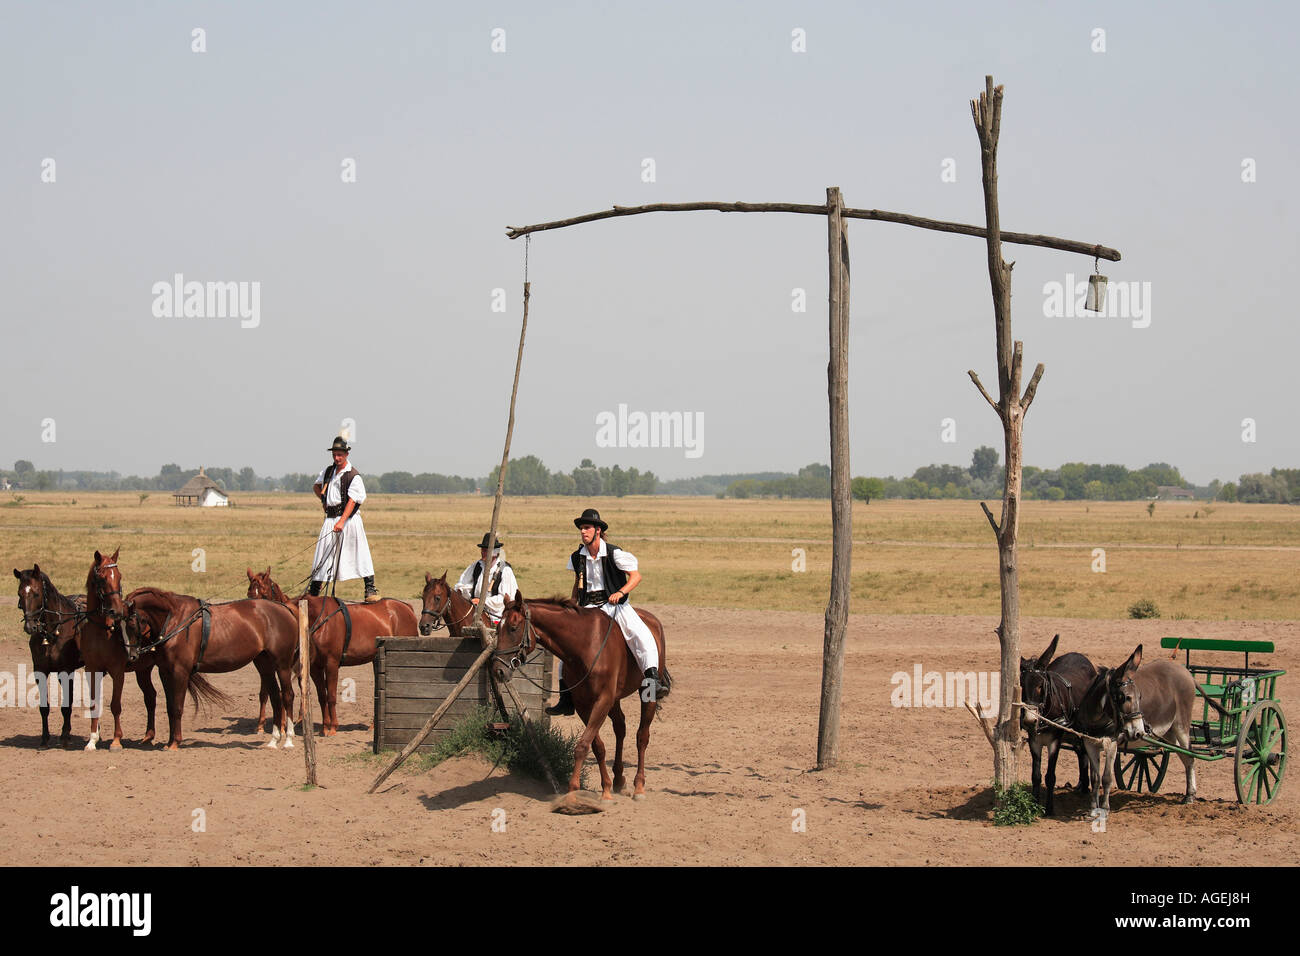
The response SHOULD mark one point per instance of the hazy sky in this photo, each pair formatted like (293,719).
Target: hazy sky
(376,296)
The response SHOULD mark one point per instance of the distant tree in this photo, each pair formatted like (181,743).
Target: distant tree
(44,481)
(247,480)
(984,463)
(586,480)
(1228,492)
(23,467)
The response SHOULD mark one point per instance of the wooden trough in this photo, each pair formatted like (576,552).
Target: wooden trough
(414,675)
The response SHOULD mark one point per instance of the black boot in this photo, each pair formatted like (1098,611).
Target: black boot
(564,706)
(372,593)
(314,590)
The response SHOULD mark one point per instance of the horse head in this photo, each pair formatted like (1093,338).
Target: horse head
(260,585)
(104,589)
(437,599)
(515,638)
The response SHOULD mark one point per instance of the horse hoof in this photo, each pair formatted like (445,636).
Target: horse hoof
(638,797)
(90,745)
(575,804)
(288,743)
(116,744)
(272,745)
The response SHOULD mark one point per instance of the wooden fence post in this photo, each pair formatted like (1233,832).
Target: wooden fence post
(304,658)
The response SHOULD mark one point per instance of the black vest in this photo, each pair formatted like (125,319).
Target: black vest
(344,483)
(615,577)
(496,578)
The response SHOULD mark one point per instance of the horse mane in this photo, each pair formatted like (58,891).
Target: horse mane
(558,602)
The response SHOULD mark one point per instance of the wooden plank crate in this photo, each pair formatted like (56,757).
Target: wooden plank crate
(414,675)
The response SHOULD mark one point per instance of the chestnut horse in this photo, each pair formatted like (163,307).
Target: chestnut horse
(51,621)
(443,604)
(100,641)
(599,670)
(186,635)
(342,635)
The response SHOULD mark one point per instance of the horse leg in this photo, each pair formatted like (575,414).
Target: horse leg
(322,689)
(180,681)
(583,745)
(329,707)
(97,693)
(262,696)
(173,708)
(648,709)
(285,715)
(598,748)
(43,705)
(144,678)
(619,723)
(65,734)
(119,680)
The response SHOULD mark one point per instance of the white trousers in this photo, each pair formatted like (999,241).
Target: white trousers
(635,632)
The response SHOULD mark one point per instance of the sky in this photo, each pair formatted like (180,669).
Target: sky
(352,168)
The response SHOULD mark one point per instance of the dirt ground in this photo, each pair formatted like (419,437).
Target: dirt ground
(729,772)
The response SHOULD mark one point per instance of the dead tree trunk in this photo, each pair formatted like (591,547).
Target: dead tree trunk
(1011,407)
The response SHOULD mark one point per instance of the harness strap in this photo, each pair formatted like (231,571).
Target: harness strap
(205,610)
(347,631)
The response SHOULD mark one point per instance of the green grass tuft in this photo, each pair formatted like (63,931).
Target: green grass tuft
(1015,806)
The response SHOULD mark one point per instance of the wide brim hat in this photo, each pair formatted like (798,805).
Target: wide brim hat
(484,542)
(340,444)
(590,516)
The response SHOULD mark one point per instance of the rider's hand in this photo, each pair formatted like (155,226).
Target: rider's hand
(621,597)
(474,602)
(338,525)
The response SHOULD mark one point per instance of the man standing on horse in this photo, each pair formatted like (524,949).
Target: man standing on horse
(604,576)
(342,551)
(501,588)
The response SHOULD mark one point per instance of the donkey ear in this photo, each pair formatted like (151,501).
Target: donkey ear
(1045,658)
(1134,661)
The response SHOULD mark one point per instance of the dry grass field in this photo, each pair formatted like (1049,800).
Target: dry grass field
(1239,562)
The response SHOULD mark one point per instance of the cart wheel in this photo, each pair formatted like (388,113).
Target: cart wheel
(1261,754)
(1139,770)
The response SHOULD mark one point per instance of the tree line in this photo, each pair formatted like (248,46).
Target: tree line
(1073,481)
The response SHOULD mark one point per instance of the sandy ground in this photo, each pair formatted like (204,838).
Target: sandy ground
(729,772)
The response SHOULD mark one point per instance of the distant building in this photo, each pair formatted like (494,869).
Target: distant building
(1171,493)
(202,491)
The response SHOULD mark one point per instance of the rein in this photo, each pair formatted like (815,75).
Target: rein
(440,616)
(204,610)
(529,643)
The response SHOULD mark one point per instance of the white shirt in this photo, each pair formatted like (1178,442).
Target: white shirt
(333,496)
(495,605)
(623,560)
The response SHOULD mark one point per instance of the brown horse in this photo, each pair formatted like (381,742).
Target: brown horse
(51,622)
(599,669)
(443,604)
(100,641)
(342,635)
(186,635)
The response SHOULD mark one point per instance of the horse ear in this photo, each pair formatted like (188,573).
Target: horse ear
(268,570)
(115,553)
(99,558)
(18,574)
(428,578)
(36,568)
(250,573)
(1046,657)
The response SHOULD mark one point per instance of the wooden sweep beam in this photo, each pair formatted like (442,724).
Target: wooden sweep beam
(819,209)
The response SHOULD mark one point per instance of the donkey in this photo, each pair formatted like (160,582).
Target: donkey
(1054,691)
(1132,700)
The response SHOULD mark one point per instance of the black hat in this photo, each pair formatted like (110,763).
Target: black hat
(340,444)
(591,516)
(484,542)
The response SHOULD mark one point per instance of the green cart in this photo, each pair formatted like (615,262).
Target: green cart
(1240,717)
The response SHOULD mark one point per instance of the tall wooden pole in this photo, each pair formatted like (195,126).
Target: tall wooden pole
(304,654)
(837,377)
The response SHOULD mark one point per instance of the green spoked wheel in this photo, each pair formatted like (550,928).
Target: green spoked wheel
(1139,770)
(1261,754)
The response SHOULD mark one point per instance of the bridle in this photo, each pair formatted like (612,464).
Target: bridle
(43,628)
(101,595)
(1063,715)
(440,615)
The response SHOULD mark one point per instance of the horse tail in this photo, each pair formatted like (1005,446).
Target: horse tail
(202,690)
(665,683)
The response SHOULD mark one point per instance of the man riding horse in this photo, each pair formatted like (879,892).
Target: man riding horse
(342,551)
(502,585)
(604,576)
